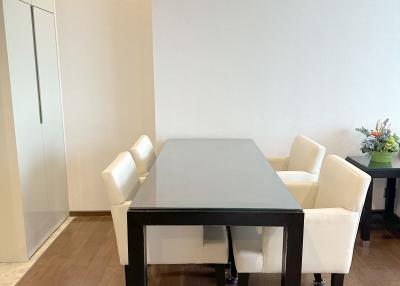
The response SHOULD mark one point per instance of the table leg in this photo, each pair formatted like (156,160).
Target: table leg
(232,272)
(293,251)
(366,214)
(136,271)
(390,197)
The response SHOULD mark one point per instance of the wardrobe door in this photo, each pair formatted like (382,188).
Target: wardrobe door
(53,131)
(27,120)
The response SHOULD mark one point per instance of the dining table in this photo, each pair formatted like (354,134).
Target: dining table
(213,182)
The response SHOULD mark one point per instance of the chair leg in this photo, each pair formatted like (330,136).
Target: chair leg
(337,279)
(243,279)
(220,274)
(318,281)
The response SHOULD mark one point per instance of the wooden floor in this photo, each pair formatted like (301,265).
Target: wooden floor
(86,254)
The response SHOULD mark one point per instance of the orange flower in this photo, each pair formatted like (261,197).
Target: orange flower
(376,133)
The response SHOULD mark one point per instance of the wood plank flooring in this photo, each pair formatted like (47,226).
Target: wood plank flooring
(86,254)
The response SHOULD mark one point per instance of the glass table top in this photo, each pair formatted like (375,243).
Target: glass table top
(213,174)
(365,161)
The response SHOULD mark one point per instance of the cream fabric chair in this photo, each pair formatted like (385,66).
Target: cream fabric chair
(143,154)
(332,210)
(303,163)
(165,244)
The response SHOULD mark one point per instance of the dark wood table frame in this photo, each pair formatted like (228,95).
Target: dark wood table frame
(367,218)
(291,221)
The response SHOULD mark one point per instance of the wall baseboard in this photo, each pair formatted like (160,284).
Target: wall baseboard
(90,213)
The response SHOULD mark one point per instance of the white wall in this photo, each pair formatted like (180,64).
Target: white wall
(271,69)
(107,82)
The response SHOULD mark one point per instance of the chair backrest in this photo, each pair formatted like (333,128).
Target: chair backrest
(121,179)
(143,154)
(306,155)
(341,185)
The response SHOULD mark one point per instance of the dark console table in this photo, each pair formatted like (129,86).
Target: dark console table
(390,171)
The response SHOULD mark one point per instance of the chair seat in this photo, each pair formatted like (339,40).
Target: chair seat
(327,248)
(215,244)
(187,245)
(297,176)
(169,244)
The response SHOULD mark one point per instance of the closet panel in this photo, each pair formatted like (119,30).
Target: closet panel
(26,112)
(53,131)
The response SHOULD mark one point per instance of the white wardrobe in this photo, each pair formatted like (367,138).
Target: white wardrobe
(33,184)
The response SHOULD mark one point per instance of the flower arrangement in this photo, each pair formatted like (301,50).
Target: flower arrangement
(380,140)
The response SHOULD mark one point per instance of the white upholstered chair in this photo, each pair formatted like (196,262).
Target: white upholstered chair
(303,163)
(332,210)
(143,154)
(165,244)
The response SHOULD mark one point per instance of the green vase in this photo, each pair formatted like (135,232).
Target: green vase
(382,157)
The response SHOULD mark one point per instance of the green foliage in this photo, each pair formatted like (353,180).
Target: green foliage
(363,130)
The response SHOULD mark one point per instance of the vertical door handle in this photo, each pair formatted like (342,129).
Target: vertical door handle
(36,66)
